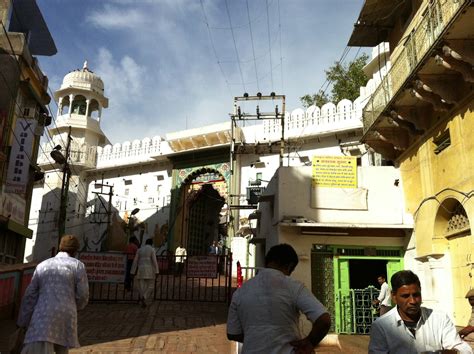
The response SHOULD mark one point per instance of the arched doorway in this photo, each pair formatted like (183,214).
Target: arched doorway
(452,224)
(202,199)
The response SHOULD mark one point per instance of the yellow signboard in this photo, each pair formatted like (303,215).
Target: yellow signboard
(335,171)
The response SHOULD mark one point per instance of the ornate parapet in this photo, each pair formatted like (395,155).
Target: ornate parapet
(314,120)
(129,152)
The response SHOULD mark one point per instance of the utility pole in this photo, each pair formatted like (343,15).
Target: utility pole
(109,208)
(64,187)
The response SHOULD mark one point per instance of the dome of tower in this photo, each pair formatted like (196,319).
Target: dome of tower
(83,79)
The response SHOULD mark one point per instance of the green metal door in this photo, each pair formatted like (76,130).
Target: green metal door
(393,266)
(344,306)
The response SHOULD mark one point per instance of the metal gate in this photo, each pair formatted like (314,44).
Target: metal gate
(357,312)
(202,278)
(322,280)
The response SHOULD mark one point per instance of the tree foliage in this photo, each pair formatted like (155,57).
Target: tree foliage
(345,81)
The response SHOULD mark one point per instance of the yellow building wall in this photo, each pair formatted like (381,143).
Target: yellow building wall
(430,179)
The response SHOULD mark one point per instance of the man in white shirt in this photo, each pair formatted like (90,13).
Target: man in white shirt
(180,255)
(384,297)
(146,269)
(409,328)
(264,313)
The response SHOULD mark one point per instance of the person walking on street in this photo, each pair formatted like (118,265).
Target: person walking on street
(58,288)
(264,313)
(145,269)
(130,250)
(409,328)
(383,300)
(180,255)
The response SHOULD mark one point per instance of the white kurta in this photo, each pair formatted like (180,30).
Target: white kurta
(145,267)
(58,289)
(145,261)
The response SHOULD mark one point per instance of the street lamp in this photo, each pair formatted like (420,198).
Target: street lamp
(59,158)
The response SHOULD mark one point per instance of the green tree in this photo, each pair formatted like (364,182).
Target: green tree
(318,99)
(345,81)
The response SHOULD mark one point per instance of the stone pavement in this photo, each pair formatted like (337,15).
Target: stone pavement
(173,327)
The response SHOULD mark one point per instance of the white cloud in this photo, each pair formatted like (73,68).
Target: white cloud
(123,79)
(113,17)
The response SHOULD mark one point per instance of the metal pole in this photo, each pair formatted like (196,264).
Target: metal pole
(64,191)
(109,212)
(282,140)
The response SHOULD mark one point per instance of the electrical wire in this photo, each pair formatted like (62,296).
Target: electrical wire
(235,45)
(269,43)
(281,57)
(214,48)
(253,47)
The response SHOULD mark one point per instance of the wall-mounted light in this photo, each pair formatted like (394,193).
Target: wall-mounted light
(305,160)
(258,164)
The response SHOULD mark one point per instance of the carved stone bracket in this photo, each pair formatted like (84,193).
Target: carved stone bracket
(451,63)
(430,97)
(449,87)
(460,50)
(397,121)
(397,137)
(410,114)
(384,148)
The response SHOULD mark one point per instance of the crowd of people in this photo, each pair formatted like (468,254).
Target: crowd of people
(264,313)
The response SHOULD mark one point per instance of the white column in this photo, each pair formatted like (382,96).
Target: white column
(88,101)
(71,98)
(60,106)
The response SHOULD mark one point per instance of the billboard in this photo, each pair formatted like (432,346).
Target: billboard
(20,156)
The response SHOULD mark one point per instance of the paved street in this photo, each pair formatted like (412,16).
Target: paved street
(172,327)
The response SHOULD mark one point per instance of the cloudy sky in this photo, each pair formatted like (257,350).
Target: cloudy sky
(169,65)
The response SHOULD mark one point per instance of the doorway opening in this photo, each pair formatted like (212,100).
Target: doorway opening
(364,272)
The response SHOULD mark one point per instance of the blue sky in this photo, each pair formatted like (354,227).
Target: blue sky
(162,73)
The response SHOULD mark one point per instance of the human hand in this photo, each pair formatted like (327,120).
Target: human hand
(466,330)
(302,346)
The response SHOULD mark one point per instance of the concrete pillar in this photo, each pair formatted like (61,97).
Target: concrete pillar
(71,98)
(88,101)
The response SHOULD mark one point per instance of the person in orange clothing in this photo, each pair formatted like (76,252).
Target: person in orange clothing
(130,250)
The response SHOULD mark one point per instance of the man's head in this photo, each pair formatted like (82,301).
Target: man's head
(282,257)
(381,279)
(69,244)
(406,292)
(149,242)
(470,297)
(133,239)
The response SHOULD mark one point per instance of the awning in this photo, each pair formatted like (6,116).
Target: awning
(27,18)
(15,227)
(376,20)
(352,229)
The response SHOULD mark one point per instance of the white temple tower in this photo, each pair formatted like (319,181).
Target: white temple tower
(81,101)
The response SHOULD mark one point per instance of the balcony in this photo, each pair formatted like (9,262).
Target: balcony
(431,72)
